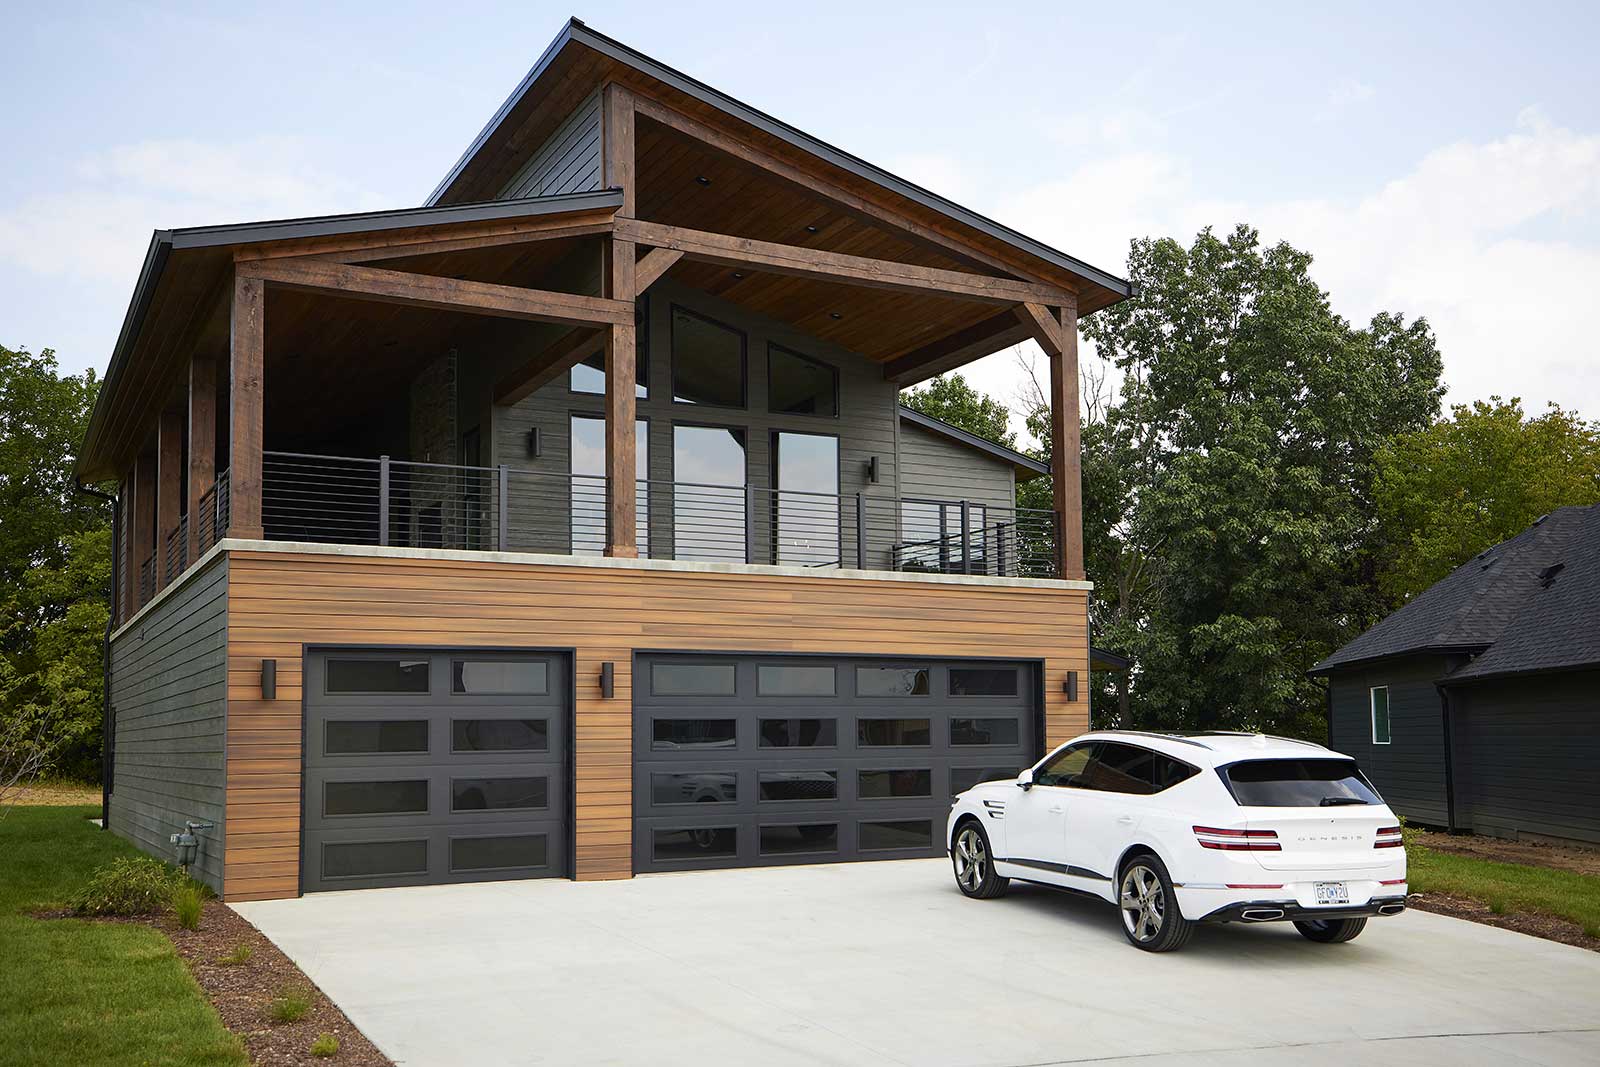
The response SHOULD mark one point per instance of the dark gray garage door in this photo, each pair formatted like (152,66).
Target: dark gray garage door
(427,766)
(744,760)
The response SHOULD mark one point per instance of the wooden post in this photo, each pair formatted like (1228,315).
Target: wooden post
(247,353)
(169,487)
(127,577)
(622,522)
(202,442)
(1066,457)
(144,522)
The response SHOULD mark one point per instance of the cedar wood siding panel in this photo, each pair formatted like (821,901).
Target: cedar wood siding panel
(567,162)
(280,602)
(168,686)
(1527,749)
(1409,771)
(938,468)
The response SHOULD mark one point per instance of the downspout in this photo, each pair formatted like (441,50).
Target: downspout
(107,724)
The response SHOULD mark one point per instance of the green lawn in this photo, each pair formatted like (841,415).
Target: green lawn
(1508,887)
(85,993)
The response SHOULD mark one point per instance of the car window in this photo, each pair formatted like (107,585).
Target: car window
(1119,768)
(1169,772)
(1065,766)
(1298,783)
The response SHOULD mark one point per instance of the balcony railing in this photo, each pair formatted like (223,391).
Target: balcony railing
(360,501)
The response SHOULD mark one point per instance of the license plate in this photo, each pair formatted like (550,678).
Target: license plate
(1332,893)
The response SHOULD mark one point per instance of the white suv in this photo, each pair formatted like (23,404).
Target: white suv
(1180,829)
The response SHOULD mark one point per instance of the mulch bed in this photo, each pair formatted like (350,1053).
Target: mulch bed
(1573,858)
(1535,924)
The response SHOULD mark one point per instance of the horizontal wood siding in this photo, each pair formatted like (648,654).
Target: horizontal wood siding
(937,468)
(281,602)
(1409,771)
(568,162)
(168,683)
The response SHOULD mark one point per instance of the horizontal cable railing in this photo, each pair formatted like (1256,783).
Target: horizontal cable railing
(383,501)
(177,551)
(211,518)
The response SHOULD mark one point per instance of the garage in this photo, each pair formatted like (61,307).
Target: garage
(752,760)
(425,767)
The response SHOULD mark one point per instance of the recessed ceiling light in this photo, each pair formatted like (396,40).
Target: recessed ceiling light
(738,274)
(811,229)
(703,180)
(834,315)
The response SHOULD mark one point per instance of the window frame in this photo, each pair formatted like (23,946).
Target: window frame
(838,396)
(1372,715)
(641,357)
(775,492)
(672,370)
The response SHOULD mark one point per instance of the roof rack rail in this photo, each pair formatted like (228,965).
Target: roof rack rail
(1257,733)
(1180,738)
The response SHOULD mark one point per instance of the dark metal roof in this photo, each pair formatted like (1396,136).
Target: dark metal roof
(576,31)
(972,440)
(1101,659)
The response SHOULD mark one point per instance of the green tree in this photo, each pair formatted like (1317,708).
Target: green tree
(1447,492)
(55,563)
(950,398)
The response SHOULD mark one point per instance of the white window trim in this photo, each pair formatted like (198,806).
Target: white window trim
(1372,713)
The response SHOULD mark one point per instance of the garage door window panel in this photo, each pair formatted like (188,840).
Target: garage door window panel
(964,778)
(890,834)
(374,737)
(693,679)
(892,682)
(988,731)
(375,798)
(374,859)
(491,677)
(799,733)
(781,680)
(894,784)
(798,839)
(695,843)
(983,681)
(679,735)
(694,787)
(369,676)
(893,733)
(797,786)
(505,853)
(499,794)
(499,735)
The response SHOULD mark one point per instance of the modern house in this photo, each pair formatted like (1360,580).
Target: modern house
(1476,707)
(569,524)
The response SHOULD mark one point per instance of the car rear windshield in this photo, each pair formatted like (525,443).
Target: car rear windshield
(1297,783)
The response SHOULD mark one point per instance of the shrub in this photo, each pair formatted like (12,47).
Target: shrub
(137,886)
(325,1045)
(239,956)
(188,901)
(290,1005)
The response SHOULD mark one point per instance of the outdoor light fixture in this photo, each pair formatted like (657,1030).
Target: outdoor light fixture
(608,679)
(533,443)
(269,679)
(872,470)
(1070,686)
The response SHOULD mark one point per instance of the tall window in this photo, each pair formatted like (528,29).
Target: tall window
(708,493)
(800,385)
(590,375)
(806,504)
(708,361)
(588,509)
(1380,714)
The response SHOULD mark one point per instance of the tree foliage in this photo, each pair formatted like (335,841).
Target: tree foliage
(55,563)
(1447,492)
(951,398)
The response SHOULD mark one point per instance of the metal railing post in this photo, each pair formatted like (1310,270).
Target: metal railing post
(966,538)
(861,531)
(751,506)
(383,500)
(504,511)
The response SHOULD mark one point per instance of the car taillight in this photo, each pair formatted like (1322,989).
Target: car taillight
(1388,837)
(1257,885)
(1237,840)
(1393,881)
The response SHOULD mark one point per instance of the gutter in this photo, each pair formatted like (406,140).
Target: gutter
(107,722)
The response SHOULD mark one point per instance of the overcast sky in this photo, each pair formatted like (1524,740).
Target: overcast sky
(1438,160)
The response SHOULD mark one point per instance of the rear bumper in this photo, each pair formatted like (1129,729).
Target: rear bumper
(1291,911)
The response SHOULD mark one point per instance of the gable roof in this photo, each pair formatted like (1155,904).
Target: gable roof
(1504,606)
(1027,466)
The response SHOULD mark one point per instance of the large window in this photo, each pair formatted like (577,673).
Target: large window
(806,505)
(589,485)
(708,493)
(1380,715)
(590,375)
(800,385)
(708,361)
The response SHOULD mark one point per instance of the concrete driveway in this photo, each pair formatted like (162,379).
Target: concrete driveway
(874,963)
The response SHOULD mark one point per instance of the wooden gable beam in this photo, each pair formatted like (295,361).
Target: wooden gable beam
(1041,321)
(550,363)
(466,244)
(653,265)
(392,244)
(838,267)
(441,294)
(983,338)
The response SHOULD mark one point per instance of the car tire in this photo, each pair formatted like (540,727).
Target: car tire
(1148,907)
(973,862)
(1330,931)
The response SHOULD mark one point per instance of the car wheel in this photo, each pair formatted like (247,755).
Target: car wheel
(974,863)
(1150,916)
(1330,931)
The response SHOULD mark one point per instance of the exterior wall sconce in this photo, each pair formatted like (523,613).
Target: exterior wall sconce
(1070,686)
(872,470)
(269,679)
(608,680)
(533,443)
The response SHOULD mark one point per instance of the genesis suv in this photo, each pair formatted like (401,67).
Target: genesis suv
(1181,829)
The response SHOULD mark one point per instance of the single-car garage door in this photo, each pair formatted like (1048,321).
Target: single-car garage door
(745,760)
(424,767)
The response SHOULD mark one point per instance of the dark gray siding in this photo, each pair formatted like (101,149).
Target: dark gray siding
(169,682)
(1409,771)
(568,162)
(1527,752)
(938,468)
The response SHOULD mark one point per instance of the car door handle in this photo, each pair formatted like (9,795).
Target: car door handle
(1057,809)
(1125,820)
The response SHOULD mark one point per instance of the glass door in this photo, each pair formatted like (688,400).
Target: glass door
(805,502)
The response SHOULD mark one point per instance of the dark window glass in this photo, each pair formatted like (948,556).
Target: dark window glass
(590,375)
(799,785)
(1380,715)
(497,853)
(798,385)
(1298,783)
(880,785)
(925,547)
(1119,768)
(891,681)
(983,731)
(498,794)
(499,735)
(668,734)
(344,737)
(778,681)
(708,494)
(500,676)
(799,733)
(877,733)
(377,676)
(811,837)
(1169,772)
(964,778)
(983,681)
(806,470)
(899,833)
(694,787)
(374,798)
(588,466)
(707,361)
(711,842)
(1065,766)
(692,679)
(371,859)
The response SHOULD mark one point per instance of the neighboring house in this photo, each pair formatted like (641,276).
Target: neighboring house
(1477,705)
(382,614)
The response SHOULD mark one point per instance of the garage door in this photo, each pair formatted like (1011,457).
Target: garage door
(741,761)
(425,767)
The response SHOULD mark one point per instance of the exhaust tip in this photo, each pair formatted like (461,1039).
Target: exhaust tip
(1261,915)
(1391,909)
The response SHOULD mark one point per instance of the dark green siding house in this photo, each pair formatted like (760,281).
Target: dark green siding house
(1476,707)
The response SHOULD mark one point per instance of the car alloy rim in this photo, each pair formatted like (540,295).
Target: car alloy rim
(972,859)
(1144,904)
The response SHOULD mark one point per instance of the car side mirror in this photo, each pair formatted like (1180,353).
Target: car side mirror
(1025,779)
